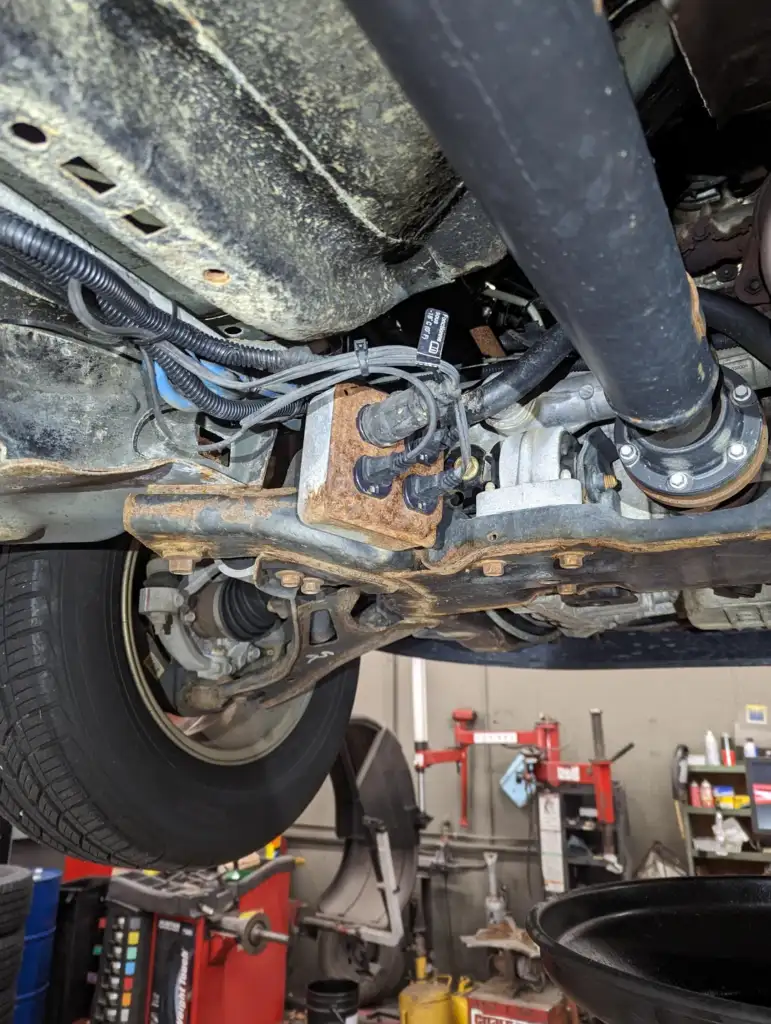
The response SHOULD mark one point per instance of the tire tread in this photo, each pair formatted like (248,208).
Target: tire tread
(38,791)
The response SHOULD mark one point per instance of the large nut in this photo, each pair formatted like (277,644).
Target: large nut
(492,567)
(310,586)
(181,565)
(571,559)
(289,578)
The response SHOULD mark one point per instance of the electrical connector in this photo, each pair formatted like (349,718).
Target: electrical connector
(422,493)
(374,474)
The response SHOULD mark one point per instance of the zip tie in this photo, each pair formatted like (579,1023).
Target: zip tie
(361,350)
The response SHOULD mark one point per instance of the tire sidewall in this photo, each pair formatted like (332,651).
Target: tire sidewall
(180,809)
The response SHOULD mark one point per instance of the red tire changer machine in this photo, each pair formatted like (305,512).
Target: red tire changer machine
(539,768)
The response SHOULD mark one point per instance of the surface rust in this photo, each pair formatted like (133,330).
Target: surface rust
(709,501)
(472,555)
(487,342)
(39,474)
(385,522)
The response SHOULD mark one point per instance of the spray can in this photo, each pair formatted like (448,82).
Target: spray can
(694,794)
(707,796)
(727,752)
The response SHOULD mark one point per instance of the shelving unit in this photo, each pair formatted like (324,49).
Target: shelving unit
(573,816)
(698,821)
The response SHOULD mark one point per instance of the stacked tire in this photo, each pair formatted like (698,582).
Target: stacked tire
(15,896)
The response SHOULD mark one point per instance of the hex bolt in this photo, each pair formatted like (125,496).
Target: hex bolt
(628,453)
(737,451)
(289,578)
(571,559)
(741,393)
(492,567)
(188,617)
(565,474)
(678,481)
(181,565)
(567,589)
(310,586)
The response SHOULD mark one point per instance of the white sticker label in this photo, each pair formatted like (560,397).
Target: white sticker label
(353,1019)
(569,773)
(480,1017)
(551,842)
(496,737)
(549,812)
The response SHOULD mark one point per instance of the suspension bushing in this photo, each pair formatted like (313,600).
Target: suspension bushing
(716,457)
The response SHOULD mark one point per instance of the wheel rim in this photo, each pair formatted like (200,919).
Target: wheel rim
(242,734)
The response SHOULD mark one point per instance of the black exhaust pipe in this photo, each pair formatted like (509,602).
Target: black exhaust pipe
(528,100)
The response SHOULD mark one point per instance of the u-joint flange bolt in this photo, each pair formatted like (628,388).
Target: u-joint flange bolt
(709,464)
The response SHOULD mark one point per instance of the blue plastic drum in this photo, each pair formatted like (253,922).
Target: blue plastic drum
(39,933)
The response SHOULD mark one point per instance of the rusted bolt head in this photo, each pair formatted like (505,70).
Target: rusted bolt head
(492,567)
(181,566)
(310,585)
(289,578)
(571,559)
(567,589)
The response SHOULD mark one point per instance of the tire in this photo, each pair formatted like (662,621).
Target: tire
(336,961)
(7,1005)
(86,768)
(15,896)
(11,951)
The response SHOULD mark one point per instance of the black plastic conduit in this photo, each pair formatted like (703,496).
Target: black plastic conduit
(64,260)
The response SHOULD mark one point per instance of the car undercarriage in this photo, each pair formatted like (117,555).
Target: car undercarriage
(372,323)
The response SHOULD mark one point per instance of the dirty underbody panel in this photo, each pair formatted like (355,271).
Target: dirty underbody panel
(166,133)
(163,135)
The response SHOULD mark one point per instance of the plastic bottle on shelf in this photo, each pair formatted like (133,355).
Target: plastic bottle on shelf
(719,833)
(695,794)
(750,748)
(711,748)
(707,796)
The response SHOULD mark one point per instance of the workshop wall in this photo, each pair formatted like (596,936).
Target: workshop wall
(657,709)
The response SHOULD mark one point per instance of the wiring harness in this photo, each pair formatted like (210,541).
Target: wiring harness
(105,303)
